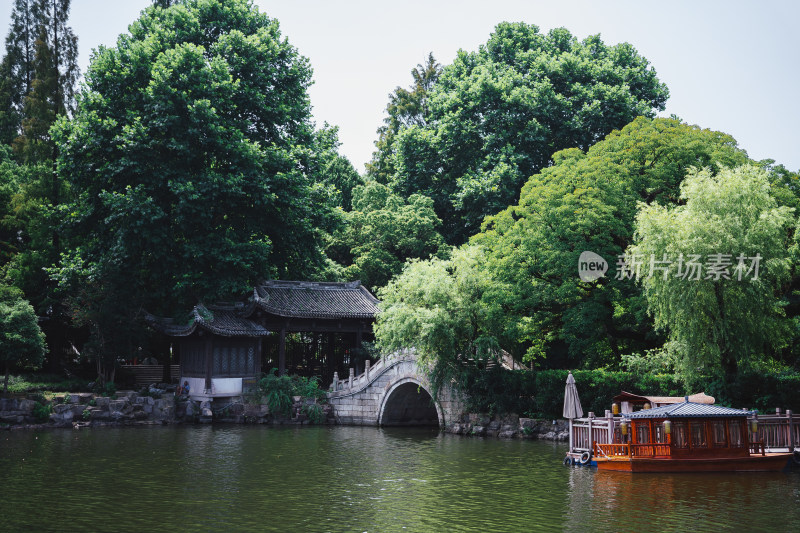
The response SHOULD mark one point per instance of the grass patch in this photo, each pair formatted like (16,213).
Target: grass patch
(28,383)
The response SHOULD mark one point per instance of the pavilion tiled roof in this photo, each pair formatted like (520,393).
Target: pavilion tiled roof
(308,299)
(226,321)
(689,409)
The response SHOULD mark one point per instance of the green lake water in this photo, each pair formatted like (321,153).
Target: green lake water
(254,478)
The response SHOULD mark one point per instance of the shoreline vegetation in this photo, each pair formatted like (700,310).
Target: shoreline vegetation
(498,395)
(187,165)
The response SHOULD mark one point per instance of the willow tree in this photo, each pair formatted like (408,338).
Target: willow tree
(712,268)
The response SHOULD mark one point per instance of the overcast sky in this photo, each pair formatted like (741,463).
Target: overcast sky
(732,66)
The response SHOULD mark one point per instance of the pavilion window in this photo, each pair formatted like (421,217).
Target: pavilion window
(679,435)
(193,359)
(234,361)
(718,434)
(698,431)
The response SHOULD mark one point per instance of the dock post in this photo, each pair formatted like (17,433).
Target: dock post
(610,421)
(571,442)
(791,429)
(591,423)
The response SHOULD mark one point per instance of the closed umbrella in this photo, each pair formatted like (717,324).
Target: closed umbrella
(572,404)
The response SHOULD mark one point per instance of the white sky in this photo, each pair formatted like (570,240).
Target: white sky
(732,66)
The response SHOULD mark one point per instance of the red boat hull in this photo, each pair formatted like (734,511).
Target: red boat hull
(771,462)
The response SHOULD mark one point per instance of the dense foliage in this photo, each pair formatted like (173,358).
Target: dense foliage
(189,168)
(382,232)
(194,164)
(540,394)
(21,341)
(496,116)
(726,314)
(588,202)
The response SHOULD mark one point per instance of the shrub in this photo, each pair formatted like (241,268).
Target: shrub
(540,394)
(277,391)
(41,412)
(307,388)
(314,413)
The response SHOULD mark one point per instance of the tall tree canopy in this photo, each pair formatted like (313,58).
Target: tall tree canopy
(533,304)
(382,232)
(497,115)
(193,158)
(407,107)
(587,202)
(40,71)
(725,254)
(16,68)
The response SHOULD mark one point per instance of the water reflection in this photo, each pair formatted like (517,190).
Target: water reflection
(670,502)
(355,479)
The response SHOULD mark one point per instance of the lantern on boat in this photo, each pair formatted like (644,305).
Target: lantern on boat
(646,406)
(623,427)
(615,408)
(667,427)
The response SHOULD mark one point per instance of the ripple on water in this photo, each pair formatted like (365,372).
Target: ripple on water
(355,479)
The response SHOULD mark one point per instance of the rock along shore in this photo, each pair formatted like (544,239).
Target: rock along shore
(160,406)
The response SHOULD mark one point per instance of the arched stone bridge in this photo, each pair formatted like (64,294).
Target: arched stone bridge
(392,393)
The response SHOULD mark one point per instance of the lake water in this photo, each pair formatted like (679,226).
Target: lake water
(254,478)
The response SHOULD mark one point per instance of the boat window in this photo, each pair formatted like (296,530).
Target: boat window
(679,439)
(643,432)
(698,430)
(661,436)
(735,431)
(718,433)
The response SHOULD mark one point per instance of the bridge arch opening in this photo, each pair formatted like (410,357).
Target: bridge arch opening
(409,404)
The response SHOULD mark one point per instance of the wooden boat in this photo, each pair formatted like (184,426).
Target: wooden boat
(687,437)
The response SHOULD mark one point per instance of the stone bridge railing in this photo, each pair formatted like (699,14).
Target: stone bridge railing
(393,391)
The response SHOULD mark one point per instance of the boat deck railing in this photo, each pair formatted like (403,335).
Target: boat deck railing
(779,431)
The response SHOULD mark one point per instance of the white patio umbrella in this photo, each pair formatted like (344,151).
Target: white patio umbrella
(572,404)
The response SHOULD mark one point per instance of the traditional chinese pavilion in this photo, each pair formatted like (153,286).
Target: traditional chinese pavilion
(306,328)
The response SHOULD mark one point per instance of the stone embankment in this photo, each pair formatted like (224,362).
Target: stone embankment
(152,406)
(509,427)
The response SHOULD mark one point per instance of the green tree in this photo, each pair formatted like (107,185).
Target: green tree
(52,90)
(382,232)
(17,67)
(194,164)
(407,107)
(497,115)
(718,297)
(21,340)
(587,202)
(437,308)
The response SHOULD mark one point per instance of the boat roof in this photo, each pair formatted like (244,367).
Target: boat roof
(688,409)
(700,397)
